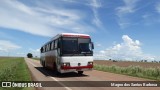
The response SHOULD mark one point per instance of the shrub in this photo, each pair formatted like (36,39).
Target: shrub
(29,55)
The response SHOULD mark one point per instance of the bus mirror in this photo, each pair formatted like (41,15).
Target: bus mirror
(41,50)
(92,45)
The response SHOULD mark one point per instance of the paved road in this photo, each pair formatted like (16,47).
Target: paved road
(40,74)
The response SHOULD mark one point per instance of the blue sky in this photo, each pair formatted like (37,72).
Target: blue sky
(120,29)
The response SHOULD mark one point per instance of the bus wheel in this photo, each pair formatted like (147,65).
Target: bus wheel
(80,72)
(54,67)
(44,66)
(56,70)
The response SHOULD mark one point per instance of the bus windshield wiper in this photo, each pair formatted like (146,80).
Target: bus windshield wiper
(84,53)
(74,52)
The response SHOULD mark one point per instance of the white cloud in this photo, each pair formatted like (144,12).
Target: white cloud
(35,52)
(95,5)
(129,49)
(41,20)
(129,7)
(6,46)
(98,45)
(123,11)
(20,53)
(96,19)
(71,1)
(157,7)
(145,16)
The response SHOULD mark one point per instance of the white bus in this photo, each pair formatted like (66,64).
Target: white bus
(68,52)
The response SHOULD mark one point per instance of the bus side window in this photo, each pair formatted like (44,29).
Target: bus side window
(55,43)
(52,45)
(44,49)
(49,47)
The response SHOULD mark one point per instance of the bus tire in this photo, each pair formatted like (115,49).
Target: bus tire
(54,67)
(44,66)
(80,72)
(56,70)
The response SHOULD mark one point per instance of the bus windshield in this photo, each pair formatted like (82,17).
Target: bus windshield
(69,46)
(76,46)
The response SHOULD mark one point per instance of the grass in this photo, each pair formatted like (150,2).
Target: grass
(136,71)
(14,69)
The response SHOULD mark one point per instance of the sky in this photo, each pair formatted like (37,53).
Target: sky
(120,29)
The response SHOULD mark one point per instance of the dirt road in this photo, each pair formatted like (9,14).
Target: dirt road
(40,74)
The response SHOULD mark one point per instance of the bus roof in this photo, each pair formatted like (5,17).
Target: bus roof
(74,34)
(71,35)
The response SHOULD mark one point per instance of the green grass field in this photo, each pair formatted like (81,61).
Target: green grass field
(14,69)
(136,71)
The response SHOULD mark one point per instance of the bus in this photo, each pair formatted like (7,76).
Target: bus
(68,52)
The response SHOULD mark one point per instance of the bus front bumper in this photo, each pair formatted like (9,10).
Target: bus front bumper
(76,68)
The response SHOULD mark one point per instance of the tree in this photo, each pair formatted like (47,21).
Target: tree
(29,55)
(145,60)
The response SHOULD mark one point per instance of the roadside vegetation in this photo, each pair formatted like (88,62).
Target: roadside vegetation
(137,71)
(29,55)
(127,63)
(14,69)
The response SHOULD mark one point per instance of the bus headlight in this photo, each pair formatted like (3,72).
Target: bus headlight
(90,63)
(66,64)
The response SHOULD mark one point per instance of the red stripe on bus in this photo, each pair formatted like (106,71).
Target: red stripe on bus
(76,67)
(82,36)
